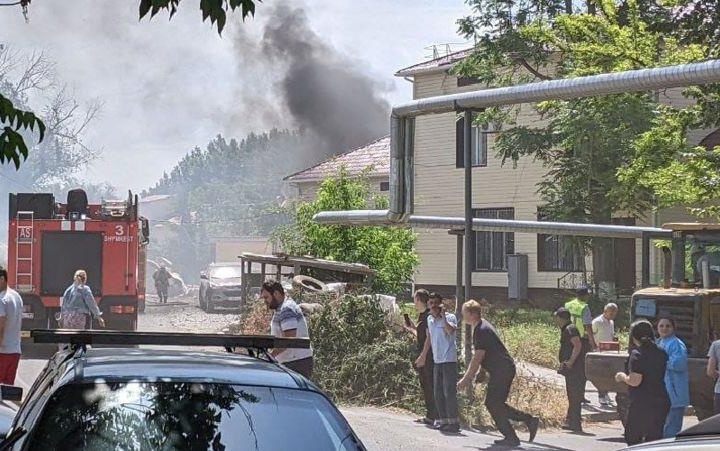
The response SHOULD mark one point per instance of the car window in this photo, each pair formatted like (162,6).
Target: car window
(226,272)
(184,415)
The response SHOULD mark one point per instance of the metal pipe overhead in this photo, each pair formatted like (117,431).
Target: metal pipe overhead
(403,155)
(568,88)
(380,218)
(402,127)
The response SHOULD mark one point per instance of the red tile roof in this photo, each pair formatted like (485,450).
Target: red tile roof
(434,64)
(375,155)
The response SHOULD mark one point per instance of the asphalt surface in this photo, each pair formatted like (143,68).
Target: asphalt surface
(382,430)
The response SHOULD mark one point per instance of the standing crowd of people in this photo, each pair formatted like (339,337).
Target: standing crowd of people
(656,370)
(436,332)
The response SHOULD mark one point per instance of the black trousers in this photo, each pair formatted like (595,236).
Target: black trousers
(498,390)
(645,421)
(575,389)
(426,376)
(302,366)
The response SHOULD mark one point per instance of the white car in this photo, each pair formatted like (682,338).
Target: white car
(704,436)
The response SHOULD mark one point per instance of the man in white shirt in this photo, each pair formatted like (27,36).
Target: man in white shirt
(603,328)
(287,321)
(11,308)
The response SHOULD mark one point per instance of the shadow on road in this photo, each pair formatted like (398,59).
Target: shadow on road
(612,439)
(535,446)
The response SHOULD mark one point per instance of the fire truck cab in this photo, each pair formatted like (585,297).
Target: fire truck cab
(49,241)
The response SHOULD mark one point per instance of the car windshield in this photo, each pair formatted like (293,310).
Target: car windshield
(225,272)
(185,415)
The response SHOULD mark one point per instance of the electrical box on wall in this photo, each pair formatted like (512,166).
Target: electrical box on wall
(517,265)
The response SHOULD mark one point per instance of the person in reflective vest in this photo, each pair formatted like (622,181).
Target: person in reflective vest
(582,318)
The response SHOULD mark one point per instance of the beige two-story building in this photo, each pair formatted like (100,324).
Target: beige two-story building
(551,263)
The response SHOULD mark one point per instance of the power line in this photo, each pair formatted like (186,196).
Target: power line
(11,4)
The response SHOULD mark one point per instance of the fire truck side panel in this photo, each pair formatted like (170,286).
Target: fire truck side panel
(44,254)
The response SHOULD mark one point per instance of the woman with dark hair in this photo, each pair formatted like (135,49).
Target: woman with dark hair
(649,403)
(676,375)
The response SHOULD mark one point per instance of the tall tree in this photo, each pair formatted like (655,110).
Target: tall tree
(582,142)
(389,250)
(14,119)
(63,153)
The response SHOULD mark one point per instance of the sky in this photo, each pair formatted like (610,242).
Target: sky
(167,86)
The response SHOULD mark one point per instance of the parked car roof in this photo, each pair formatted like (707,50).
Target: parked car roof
(130,363)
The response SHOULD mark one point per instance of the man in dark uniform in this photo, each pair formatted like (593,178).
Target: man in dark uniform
(162,281)
(490,351)
(425,372)
(572,366)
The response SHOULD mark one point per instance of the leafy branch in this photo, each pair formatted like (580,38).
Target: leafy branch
(215,10)
(12,144)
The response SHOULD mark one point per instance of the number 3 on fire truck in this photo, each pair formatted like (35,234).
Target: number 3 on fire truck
(119,230)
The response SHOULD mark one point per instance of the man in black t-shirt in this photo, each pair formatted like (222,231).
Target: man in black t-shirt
(425,372)
(490,351)
(572,366)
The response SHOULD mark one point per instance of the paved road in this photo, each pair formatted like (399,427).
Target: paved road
(383,430)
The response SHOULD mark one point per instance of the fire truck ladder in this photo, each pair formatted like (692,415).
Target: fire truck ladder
(24,251)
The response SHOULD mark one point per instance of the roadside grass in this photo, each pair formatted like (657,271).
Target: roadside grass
(528,393)
(530,335)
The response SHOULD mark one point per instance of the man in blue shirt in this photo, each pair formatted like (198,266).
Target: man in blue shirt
(442,330)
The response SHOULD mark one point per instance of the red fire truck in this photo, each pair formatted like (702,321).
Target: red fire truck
(49,241)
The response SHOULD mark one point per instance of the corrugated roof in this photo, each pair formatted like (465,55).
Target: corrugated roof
(375,155)
(434,64)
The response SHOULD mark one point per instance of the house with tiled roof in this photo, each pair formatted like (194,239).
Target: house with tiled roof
(372,159)
(550,263)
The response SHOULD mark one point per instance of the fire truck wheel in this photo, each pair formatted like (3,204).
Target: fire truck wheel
(309,283)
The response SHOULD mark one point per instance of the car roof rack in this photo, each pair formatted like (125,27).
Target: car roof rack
(128,338)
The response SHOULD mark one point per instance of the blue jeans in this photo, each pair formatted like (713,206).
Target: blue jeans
(445,388)
(673,422)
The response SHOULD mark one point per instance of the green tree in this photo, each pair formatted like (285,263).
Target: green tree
(582,142)
(389,250)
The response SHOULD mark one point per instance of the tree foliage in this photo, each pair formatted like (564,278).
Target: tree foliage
(215,10)
(231,188)
(389,250)
(14,120)
(55,163)
(586,144)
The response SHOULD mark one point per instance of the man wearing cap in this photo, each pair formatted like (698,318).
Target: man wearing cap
(572,365)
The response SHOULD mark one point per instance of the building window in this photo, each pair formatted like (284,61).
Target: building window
(384,186)
(558,253)
(478,144)
(491,248)
(467,81)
